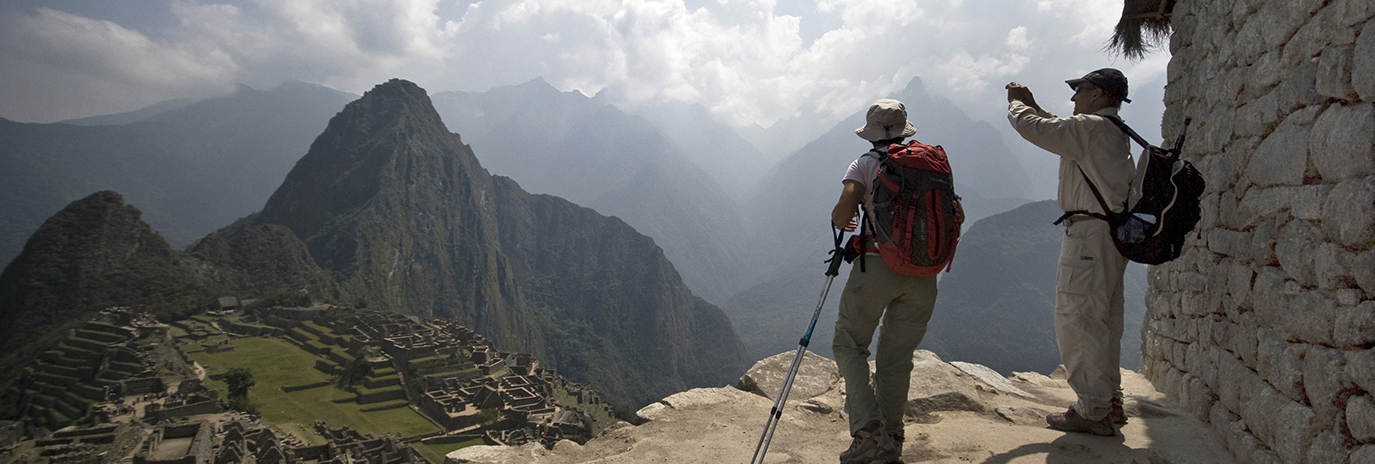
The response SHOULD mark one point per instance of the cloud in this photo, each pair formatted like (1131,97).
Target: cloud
(743,60)
(55,61)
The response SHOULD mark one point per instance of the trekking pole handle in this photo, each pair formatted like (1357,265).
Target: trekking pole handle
(837,254)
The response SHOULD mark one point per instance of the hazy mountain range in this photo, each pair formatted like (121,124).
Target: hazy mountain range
(389,209)
(191,167)
(744,234)
(595,155)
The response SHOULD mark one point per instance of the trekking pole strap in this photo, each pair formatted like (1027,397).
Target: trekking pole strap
(837,254)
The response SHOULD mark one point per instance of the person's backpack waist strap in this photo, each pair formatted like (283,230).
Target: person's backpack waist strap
(1078,215)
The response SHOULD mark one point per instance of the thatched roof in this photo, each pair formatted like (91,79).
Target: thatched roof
(1145,24)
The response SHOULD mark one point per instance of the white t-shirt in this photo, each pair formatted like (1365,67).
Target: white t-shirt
(863,170)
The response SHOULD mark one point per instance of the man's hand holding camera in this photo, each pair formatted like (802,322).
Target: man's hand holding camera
(1019,92)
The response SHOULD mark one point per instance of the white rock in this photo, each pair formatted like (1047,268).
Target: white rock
(650,412)
(482,454)
(816,375)
(698,397)
(991,377)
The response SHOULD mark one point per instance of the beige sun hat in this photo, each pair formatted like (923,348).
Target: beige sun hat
(883,121)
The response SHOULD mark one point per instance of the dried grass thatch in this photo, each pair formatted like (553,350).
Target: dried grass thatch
(1145,24)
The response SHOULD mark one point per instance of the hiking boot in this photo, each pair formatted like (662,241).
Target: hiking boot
(1118,415)
(897,445)
(1071,421)
(870,446)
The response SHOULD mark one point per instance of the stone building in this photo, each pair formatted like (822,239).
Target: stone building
(188,443)
(1265,325)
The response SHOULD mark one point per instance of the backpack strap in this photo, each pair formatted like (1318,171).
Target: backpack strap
(1108,212)
(864,222)
(1130,133)
(1173,152)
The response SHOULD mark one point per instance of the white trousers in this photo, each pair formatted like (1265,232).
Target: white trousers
(1088,314)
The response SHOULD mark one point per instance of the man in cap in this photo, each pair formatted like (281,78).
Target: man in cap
(875,409)
(1095,159)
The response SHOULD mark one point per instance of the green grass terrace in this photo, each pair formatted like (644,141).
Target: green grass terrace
(276,362)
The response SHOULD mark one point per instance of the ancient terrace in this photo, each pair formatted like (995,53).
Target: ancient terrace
(449,373)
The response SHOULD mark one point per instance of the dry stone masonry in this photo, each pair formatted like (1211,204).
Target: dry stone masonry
(1265,326)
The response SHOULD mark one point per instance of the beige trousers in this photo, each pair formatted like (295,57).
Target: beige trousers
(904,303)
(1088,314)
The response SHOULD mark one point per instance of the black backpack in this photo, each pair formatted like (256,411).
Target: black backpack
(1162,208)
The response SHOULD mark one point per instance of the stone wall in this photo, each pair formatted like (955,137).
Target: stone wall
(1265,326)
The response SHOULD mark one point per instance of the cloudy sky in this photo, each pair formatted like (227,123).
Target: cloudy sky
(749,62)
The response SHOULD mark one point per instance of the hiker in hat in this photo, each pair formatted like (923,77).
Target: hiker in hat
(874,292)
(1095,159)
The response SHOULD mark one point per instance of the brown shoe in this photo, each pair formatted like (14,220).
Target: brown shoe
(870,446)
(1118,415)
(1071,421)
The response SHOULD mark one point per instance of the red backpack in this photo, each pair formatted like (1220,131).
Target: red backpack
(916,215)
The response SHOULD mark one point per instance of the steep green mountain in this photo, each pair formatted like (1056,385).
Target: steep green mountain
(98,252)
(595,155)
(191,168)
(262,260)
(401,212)
(93,254)
(996,306)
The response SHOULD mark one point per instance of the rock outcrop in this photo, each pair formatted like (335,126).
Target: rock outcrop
(1265,325)
(958,413)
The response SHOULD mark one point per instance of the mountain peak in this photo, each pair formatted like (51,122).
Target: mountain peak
(914,86)
(368,152)
(397,102)
(94,253)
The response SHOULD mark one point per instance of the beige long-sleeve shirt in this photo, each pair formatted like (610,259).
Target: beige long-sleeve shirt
(1087,141)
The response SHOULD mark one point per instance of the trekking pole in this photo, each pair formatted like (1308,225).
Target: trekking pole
(776,414)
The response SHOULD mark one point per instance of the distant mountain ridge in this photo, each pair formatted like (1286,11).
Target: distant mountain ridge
(649,175)
(191,169)
(996,307)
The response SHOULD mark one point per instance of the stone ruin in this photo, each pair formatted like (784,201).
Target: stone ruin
(96,360)
(1265,325)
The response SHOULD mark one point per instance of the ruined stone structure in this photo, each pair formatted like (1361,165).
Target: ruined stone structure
(1265,326)
(457,375)
(81,370)
(202,402)
(187,443)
